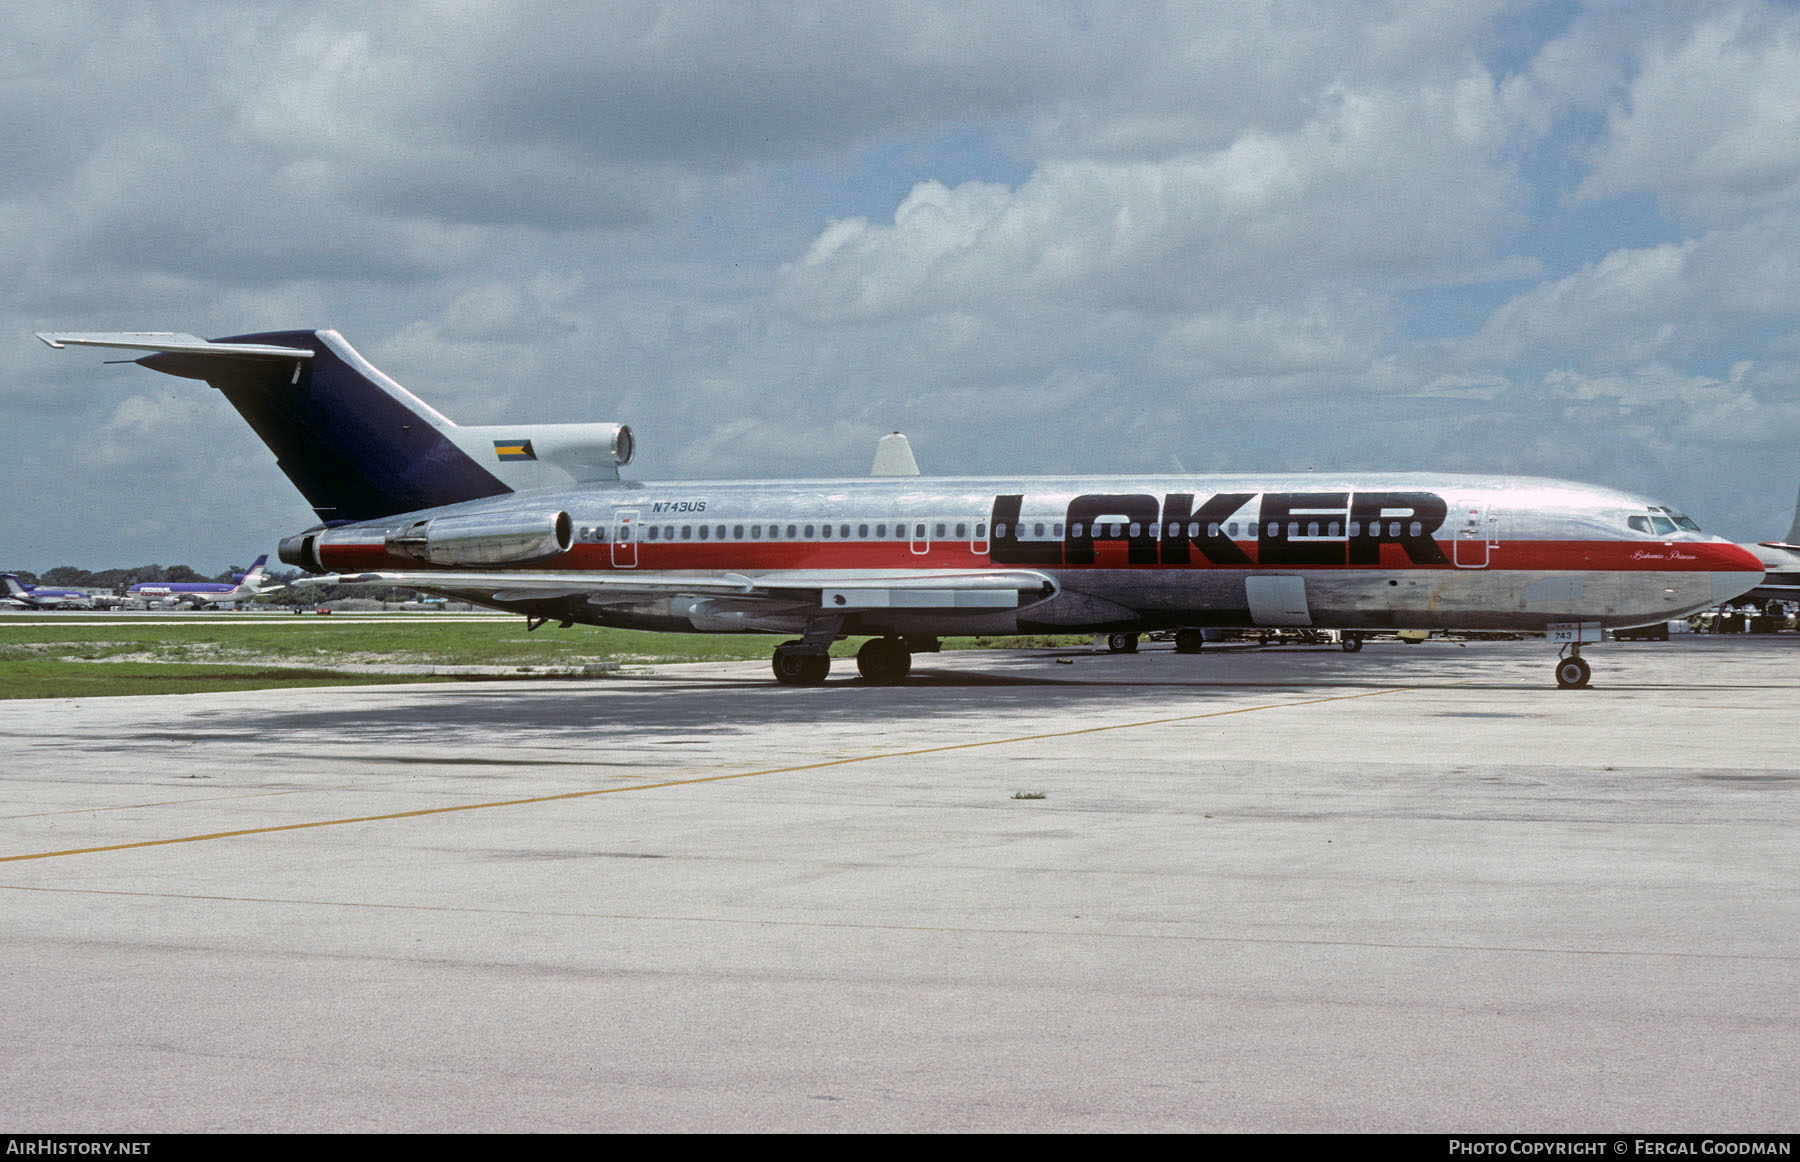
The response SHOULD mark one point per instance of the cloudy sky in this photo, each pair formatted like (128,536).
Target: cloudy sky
(1553,238)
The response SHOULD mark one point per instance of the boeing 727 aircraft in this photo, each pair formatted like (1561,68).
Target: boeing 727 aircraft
(534,518)
(198,594)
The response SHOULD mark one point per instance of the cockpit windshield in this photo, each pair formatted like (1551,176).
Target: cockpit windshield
(1662,521)
(1682,521)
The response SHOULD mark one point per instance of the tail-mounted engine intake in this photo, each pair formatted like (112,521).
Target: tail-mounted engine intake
(518,453)
(498,538)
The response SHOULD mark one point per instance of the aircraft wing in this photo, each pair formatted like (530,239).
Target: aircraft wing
(833,589)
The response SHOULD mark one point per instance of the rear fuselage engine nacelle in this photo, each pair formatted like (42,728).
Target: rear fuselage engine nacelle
(499,538)
(468,539)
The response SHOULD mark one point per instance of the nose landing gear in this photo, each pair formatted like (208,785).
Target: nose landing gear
(1572,670)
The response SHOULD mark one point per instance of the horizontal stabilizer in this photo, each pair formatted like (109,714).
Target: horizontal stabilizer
(175,342)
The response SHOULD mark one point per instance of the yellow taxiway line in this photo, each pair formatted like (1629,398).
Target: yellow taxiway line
(821,765)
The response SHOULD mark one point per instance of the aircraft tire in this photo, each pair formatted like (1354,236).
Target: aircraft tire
(1572,673)
(1351,643)
(884,661)
(1189,641)
(793,669)
(1122,643)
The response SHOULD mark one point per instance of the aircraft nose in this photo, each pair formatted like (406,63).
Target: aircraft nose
(1735,570)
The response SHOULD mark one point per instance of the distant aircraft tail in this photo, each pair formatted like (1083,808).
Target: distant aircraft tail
(14,587)
(253,577)
(1793,537)
(356,444)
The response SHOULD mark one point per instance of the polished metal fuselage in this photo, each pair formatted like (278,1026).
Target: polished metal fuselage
(1354,551)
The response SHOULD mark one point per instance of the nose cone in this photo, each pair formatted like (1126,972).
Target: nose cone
(1735,571)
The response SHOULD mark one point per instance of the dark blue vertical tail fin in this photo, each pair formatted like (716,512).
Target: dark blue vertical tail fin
(355,443)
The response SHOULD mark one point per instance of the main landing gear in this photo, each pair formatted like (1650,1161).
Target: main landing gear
(1572,670)
(806,661)
(882,661)
(793,668)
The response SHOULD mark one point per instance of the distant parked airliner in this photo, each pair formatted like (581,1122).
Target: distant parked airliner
(200,594)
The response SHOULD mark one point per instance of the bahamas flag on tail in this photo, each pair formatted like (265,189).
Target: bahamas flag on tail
(514,450)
